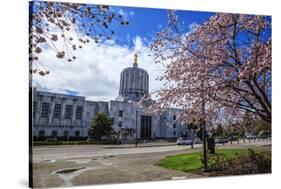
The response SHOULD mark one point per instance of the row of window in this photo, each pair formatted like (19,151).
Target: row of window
(55,133)
(175,133)
(45,111)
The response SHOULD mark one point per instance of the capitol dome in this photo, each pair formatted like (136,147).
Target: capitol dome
(134,83)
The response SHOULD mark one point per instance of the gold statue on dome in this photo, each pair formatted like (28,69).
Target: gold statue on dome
(136,58)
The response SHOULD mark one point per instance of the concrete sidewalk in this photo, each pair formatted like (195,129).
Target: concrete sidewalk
(165,143)
(141,145)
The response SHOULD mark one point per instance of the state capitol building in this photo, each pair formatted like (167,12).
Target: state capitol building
(60,115)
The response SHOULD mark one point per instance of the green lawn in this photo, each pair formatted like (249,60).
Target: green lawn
(191,161)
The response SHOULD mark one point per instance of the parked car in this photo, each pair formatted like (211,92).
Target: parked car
(197,141)
(251,136)
(262,134)
(184,141)
(232,138)
(220,140)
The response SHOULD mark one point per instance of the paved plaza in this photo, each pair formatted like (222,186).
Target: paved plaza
(104,164)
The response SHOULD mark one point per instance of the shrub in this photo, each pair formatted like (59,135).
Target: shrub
(54,142)
(249,162)
(252,162)
(51,140)
(217,162)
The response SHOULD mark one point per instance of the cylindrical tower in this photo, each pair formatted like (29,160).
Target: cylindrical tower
(134,82)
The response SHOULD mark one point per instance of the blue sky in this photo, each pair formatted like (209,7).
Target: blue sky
(145,22)
(96,72)
(99,65)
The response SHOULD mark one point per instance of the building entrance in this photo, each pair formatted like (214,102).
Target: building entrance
(145,129)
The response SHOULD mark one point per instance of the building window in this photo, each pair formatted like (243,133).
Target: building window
(174,125)
(65,133)
(41,133)
(77,133)
(120,124)
(34,107)
(68,112)
(54,133)
(45,109)
(174,117)
(88,114)
(57,111)
(90,103)
(120,113)
(79,111)
(175,133)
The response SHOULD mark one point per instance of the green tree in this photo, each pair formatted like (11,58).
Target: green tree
(262,126)
(101,126)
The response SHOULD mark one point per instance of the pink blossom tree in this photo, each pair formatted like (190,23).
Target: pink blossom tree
(67,27)
(223,67)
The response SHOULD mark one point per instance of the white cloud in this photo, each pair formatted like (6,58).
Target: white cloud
(193,27)
(120,11)
(96,72)
(125,14)
(160,26)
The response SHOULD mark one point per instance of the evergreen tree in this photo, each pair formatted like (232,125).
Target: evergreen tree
(101,126)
